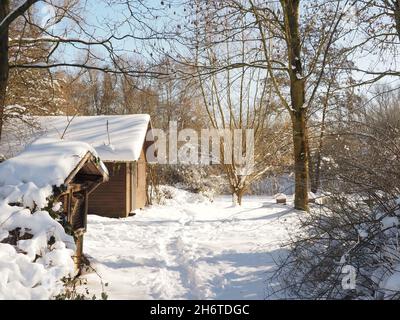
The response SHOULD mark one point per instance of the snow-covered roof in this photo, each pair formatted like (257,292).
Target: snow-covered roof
(43,164)
(122,141)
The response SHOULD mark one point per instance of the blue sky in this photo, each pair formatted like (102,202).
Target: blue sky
(99,15)
(99,18)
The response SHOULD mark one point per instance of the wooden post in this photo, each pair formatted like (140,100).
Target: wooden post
(128,188)
(79,250)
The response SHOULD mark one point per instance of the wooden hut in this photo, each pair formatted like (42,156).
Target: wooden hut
(120,141)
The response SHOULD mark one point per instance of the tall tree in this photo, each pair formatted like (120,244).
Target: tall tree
(295,38)
(306,42)
(297,111)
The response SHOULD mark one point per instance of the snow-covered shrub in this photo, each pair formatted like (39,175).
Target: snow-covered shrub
(171,195)
(349,246)
(348,234)
(160,195)
(35,252)
(273,184)
(195,179)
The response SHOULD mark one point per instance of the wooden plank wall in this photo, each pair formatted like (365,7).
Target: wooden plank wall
(110,198)
(141,194)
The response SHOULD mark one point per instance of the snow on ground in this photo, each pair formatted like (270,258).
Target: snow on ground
(190,249)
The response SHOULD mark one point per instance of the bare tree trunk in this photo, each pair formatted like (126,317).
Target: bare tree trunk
(4,69)
(315,177)
(237,197)
(316,180)
(311,165)
(240,196)
(396,13)
(300,142)
(235,200)
(297,94)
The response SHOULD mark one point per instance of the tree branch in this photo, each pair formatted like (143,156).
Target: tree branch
(19,11)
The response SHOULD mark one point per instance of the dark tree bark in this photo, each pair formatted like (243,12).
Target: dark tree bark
(297,95)
(6,18)
(11,16)
(316,179)
(4,69)
(301,167)
(396,13)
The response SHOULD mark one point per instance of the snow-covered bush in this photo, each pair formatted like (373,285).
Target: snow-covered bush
(36,252)
(170,195)
(348,234)
(196,179)
(349,246)
(273,184)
